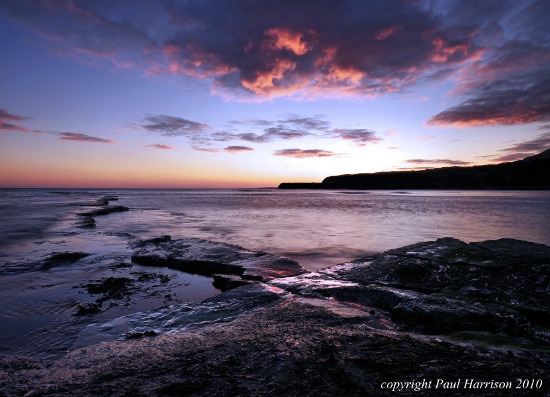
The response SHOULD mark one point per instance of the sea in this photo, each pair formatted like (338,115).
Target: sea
(39,304)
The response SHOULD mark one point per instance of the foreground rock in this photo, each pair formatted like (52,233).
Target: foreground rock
(204,257)
(109,209)
(62,258)
(454,318)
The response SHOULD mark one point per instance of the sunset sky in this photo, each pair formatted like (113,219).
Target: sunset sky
(254,93)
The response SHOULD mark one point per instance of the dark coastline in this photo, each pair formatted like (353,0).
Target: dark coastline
(531,173)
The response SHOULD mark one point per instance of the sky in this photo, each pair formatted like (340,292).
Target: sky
(218,94)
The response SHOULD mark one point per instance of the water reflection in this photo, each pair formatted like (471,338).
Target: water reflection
(319,228)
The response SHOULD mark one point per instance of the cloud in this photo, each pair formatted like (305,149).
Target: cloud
(235,149)
(309,123)
(301,154)
(258,131)
(359,136)
(295,49)
(291,127)
(249,137)
(437,161)
(524,149)
(495,52)
(285,133)
(72,136)
(173,126)
(510,83)
(205,149)
(7,119)
(159,146)
(7,116)
(414,168)
(519,100)
(387,32)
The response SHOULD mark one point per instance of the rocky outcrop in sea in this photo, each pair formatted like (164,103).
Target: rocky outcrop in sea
(435,318)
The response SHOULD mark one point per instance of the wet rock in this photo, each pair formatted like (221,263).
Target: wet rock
(204,257)
(121,265)
(447,285)
(109,209)
(225,282)
(292,349)
(109,287)
(17,373)
(138,335)
(86,223)
(114,289)
(436,310)
(220,309)
(101,202)
(145,277)
(85,309)
(62,258)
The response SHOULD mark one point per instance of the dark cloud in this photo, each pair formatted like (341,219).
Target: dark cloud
(301,154)
(12,127)
(256,131)
(73,136)
(235,149)
(510,157)
(173,126)
(359,136)
(265,49)
(524,149)
(496,51)
(437,161)
(285,133)
(159,146)
(510,82)
(306,123)
(251,137)
(519,100)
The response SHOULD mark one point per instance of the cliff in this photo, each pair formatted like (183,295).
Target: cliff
(530,173)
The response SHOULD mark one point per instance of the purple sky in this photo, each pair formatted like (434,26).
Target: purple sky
(253,93)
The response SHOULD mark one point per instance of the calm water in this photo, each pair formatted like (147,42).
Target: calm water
(316,228)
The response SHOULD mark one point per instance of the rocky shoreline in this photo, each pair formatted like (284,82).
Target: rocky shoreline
(434,318)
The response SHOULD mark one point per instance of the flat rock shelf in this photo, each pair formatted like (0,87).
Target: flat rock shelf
(444,317)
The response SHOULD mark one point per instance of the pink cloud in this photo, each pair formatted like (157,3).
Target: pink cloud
(302,154)
(385,33)
(7,119)
(77,137)
(285,39)
(235,149)
(159,146)
(437,161)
